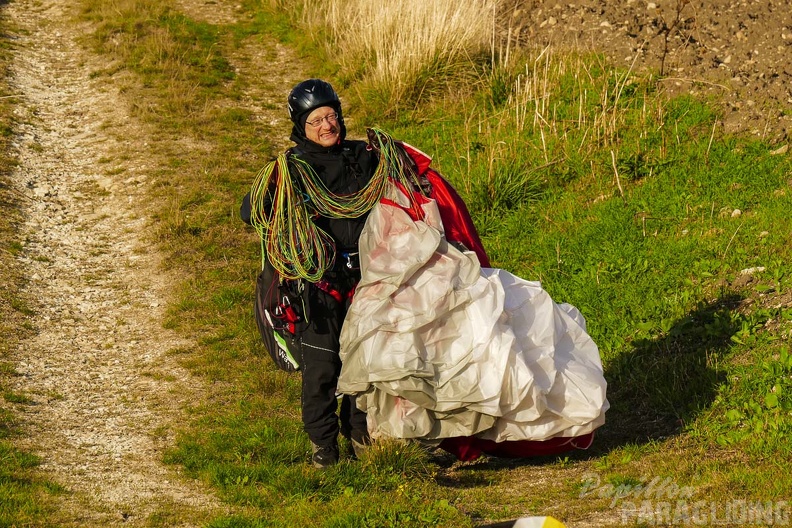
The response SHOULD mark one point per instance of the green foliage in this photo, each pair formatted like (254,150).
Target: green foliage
(24,497)
(754,412)
(154,39)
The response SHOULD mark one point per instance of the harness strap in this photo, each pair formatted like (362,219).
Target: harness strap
(334,292)
(287,315)
(329,289)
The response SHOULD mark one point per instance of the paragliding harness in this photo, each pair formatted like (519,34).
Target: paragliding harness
(282,314)
(281,307)
(280,317)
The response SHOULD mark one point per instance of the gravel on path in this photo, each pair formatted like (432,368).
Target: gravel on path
(104,387)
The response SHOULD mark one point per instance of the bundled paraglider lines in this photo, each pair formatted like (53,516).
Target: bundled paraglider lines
(287,193)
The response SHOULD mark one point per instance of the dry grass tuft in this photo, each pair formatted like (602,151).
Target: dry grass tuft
(400,47)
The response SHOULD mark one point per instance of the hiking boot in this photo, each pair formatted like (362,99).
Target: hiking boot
(324,456)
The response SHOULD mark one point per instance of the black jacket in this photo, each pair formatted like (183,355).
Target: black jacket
(344,169)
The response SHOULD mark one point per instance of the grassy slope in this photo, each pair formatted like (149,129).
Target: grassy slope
(693,350)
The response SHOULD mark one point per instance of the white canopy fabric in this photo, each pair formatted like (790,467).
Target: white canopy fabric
(435,346)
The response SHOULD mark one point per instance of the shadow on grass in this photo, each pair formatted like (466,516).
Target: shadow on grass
(654,388)
(665,382)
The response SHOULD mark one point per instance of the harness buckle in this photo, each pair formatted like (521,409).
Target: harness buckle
(352,261)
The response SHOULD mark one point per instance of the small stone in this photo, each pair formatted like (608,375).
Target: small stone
(780,150)
(736,213)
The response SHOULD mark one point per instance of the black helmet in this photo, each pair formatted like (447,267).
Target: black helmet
(311,94)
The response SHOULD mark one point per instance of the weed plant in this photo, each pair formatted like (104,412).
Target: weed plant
(672,238)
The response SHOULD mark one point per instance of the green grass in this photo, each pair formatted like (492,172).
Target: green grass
(578,175)
(23,497)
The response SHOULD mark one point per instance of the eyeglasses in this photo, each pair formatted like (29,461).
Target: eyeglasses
(331,118)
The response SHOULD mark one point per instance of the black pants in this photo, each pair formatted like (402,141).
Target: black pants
(321,366)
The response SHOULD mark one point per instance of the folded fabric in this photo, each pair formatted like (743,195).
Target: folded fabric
(436,347)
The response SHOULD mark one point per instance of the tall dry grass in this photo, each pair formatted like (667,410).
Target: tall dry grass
(543,115)
(399,47)
(554,93)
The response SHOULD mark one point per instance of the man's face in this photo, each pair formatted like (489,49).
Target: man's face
(322,126)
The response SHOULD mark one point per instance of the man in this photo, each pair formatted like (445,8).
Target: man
(343,167)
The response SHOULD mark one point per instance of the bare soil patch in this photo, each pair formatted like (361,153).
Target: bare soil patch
(736,51)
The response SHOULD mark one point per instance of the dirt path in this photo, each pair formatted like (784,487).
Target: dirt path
(103,388)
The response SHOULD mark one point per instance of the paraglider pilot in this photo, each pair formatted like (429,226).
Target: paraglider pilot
(317,311)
